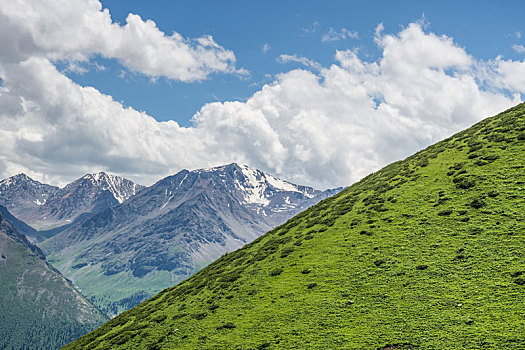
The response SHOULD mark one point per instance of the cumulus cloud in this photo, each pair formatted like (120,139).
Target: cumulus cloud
(503,74)
(77,30)
(343,34)
(324,127)
(50,122)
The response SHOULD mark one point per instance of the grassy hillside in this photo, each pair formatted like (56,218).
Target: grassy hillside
(39,309)
(426,253)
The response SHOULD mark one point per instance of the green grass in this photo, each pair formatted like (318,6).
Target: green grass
(426,253)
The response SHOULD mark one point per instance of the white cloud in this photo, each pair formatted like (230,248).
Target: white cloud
(519,48)
(503,74)
(343,34)
(49,121)
(413,47)
(326,127)
(77,30)
(299,59)
(336,126)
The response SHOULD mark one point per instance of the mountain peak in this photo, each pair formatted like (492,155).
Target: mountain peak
(96,176)
(101,178)
(22,176)
(119,187)
(46,206)
(218,168)
(20,192)
(16,179)
(253,186)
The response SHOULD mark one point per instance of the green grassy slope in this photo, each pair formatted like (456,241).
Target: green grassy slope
(426,253)
(39,309)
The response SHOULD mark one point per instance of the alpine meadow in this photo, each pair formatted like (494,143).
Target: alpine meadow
(426,253)
(262,175)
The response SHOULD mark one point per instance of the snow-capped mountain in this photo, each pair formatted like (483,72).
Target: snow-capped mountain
(254,186)
(44,206)
(24,196)
(90,193)
(120,188)
(268,196)
(171,229)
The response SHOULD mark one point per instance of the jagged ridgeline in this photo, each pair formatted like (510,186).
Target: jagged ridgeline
(426,253)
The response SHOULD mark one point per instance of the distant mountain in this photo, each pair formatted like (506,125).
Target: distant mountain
(126,253)
(90,193)
(426,253)
(44,206)
(269,197)
(23,196)
(39,308)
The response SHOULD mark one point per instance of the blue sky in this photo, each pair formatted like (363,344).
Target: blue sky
(317,93)
(485,28)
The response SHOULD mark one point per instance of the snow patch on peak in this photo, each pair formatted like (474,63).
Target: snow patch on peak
(263,180)
(120,188)
(213,169)
(40,202)
(6,182)
(281,184)
(252,195)
(254,186)
(253,176)
(15,178)
(102,175)
(97,178)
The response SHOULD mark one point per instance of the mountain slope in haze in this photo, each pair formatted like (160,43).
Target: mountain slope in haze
(44,207)
(39,309)
(124,254)
(426,253)
(21,227)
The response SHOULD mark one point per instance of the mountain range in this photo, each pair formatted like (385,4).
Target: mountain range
(121,243)
(426,253)
(45,207)
(39,308)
